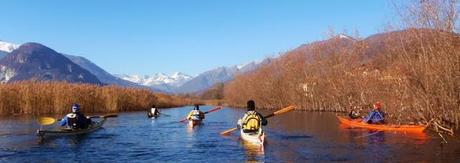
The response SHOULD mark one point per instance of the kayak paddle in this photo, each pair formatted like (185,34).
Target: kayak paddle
(281,111)
(50,120)
(165,114)
(105,116)
(46,120)
(209,111)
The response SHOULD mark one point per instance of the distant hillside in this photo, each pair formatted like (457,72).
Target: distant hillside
(33,61)
(209,78)
(100,73)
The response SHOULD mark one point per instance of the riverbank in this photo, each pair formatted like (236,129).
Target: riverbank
(413,72)
(37,98)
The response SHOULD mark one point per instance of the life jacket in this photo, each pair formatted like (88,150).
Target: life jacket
(195,115)
(251,122)
(154,112)
(76,121)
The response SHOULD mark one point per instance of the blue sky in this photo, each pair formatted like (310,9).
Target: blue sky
(145,37)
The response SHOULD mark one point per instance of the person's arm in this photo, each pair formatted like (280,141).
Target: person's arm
(381,115)
(201,115)
(63,121)
(189,115)
(239,123)
(264,120)
(369,117)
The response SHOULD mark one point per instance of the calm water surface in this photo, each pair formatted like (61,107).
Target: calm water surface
(294,136)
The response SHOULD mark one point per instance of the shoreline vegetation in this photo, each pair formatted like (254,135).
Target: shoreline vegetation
(413,70)
(50,97)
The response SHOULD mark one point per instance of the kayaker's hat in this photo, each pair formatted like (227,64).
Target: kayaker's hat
(75,108)
(153,106)
(251,105)
(377,105)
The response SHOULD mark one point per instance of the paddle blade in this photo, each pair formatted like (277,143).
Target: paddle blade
(226,132)
(284,110)
(183,120)
(46,120)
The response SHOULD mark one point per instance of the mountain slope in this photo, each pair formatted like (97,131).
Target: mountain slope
(219,75)
(3,54)
(33,61)
(100,73)
(207,79)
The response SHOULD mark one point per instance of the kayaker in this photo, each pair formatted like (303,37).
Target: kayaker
(76,119)
(196,114)
(153,111)
(252,120)
(355,113)
(376,116)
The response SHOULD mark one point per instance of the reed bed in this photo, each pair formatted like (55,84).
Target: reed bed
(32,97)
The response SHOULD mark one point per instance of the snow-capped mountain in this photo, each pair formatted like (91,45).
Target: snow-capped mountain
(174,83)
(34,61)
(159,81)
(101,74)
(7,47)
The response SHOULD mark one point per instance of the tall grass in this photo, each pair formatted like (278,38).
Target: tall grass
(29,97)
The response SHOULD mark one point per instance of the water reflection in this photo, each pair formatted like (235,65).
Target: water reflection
(291,137)
(254,152)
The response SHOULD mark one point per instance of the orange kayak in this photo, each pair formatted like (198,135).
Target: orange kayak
(385,127)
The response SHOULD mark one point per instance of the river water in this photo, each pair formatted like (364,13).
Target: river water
(294,136)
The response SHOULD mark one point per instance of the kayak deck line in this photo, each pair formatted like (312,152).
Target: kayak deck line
(255,138)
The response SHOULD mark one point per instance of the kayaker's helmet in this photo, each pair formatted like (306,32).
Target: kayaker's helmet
(197,107)
(75,108)
(377,105)
(153,106)
(251,105)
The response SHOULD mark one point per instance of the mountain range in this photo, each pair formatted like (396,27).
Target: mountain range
(178,83)
(183,83)
(13,70)
(159,81)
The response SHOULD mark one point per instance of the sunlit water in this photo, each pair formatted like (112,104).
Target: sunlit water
(294,136)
